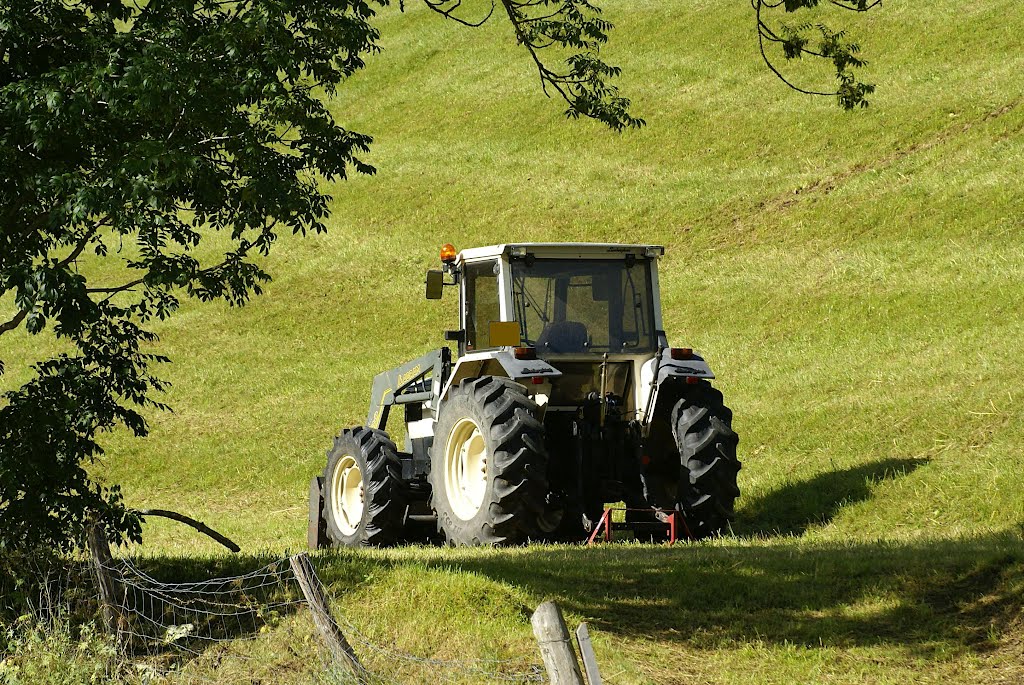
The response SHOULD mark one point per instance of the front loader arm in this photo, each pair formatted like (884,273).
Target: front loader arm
(407,384)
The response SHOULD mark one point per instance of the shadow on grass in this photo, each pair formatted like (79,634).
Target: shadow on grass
(792,509)
(933,598)
(174,609)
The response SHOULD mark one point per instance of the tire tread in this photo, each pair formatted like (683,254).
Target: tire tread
(702,428)
(519,458)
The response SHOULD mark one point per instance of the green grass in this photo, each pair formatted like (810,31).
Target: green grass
(734,611)
(855,279)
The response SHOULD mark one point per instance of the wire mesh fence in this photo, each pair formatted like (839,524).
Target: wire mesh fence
(158,618)
(186,633)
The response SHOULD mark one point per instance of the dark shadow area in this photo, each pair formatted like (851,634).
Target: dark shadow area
(935,598)
(47,587)
(167,611)
(792,509)
(174,609)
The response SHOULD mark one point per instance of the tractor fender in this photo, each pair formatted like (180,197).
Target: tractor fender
(670,371)
(497,363)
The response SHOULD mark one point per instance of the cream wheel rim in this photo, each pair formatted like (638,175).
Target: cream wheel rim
(465,469)
(347,495)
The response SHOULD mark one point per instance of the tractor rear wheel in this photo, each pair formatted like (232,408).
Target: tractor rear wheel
(488,464)
(702,426)
(363,493)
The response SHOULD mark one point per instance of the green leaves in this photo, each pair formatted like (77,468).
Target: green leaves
(577,28)
(818,41)
(48,428)
(573,32)
(135,131)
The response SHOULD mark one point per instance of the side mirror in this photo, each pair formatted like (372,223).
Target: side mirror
(435,284)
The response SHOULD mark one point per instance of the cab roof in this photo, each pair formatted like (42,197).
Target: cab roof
(561,250)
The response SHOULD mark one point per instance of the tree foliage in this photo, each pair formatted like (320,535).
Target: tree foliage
(815,40)
(138,130)
(136,133)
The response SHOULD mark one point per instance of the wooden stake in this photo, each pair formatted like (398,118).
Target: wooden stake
(328,628)
(556,645)
(316,528)
(102,564)
(587,654)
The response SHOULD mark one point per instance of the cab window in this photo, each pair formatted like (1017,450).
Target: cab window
(482,305)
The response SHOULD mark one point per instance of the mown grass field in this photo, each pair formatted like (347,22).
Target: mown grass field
(856,280)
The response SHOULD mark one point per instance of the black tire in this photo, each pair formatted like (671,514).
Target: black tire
(702,427)
(383,500)
(515,485)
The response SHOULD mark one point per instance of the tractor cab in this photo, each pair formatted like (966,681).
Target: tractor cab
(589,313)
(564,299)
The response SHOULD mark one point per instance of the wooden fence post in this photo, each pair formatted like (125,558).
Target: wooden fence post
(322,618)
(587,655)
(556,645)
(106,579)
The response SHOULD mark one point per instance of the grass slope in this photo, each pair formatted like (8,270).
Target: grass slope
(855,279)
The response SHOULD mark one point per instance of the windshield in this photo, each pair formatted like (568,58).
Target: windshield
(576,306)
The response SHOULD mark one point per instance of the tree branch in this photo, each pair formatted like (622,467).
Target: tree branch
(80,247)
(521,37)
(14,322)
(438,6)
(764,55)
(189,521)
(117,288)
(856,8)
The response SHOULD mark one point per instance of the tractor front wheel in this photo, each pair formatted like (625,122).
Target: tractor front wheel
(363,501)
(488,464)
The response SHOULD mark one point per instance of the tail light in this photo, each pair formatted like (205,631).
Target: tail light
(681,353)
(524,352)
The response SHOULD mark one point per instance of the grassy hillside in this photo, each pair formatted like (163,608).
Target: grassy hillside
(855,279)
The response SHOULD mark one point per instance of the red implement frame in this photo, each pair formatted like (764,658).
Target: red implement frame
(675,522)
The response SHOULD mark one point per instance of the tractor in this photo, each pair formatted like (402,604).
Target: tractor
(557,394)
